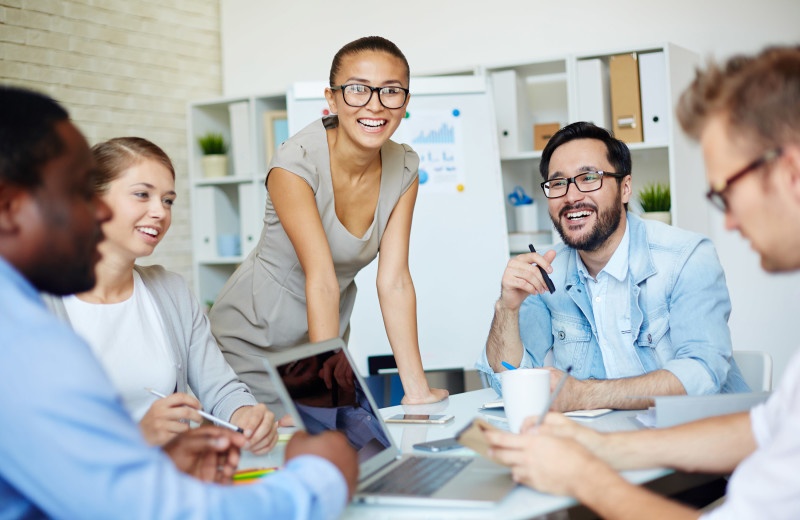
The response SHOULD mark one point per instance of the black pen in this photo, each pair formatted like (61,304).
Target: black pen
(547,280)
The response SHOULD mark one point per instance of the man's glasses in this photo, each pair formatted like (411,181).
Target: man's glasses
(585,182)
(718,193)
(357,95)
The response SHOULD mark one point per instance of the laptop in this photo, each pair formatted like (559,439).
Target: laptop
(322,390)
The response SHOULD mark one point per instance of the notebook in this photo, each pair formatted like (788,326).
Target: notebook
(322,390)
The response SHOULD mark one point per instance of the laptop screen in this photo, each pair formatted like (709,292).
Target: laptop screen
(328,396)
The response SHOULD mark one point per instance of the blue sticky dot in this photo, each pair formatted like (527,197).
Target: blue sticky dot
(423,176)
(456,112)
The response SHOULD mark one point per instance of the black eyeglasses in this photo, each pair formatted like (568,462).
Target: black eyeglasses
(585,182)
(357,95)
(718,193)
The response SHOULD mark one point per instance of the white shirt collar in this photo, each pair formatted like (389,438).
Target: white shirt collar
(617,265)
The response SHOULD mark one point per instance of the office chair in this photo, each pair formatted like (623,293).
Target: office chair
(756,367)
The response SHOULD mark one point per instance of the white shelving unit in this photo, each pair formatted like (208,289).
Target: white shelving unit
(230,206)
(552,90)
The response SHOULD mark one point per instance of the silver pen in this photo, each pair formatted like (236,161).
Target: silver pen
(215,420)
(553,396)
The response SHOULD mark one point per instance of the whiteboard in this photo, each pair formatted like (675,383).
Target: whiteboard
(459,238)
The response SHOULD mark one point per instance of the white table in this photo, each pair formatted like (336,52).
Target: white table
(521,503)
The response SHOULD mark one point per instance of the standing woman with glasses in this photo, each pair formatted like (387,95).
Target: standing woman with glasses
(337,192)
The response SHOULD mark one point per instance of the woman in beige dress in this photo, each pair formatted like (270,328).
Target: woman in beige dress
(337,192)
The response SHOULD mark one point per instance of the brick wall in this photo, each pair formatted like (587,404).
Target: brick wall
(121,68)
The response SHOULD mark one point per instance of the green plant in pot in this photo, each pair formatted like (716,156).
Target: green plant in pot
(656,202)
(215,159)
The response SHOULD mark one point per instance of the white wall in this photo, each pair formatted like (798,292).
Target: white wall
(269,44)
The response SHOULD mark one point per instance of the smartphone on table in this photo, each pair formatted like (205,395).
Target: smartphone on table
(439,445)
(419,418)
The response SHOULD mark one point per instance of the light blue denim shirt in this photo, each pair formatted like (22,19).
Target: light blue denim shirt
(613,322)
(679,313)
(68,449)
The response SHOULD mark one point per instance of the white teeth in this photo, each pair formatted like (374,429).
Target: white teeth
(148,230)
(372,123)
(578,214)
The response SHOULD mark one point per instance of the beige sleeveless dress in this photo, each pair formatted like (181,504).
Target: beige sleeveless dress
(263,305)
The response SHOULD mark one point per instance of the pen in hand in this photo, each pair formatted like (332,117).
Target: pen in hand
(553,396)
(547,280)
(215,420)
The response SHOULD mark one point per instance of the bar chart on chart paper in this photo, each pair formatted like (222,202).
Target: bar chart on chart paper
(434,135)
(444,135)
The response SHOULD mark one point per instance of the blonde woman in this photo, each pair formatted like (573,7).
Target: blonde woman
(143,323)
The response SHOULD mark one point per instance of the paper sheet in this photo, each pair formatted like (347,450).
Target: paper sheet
(493,405)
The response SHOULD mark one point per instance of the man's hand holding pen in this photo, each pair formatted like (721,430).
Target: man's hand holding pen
(524,276)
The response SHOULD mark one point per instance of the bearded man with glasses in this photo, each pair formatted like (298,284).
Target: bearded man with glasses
(640,308)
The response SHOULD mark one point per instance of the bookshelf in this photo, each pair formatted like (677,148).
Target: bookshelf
(227,212)
(577,88)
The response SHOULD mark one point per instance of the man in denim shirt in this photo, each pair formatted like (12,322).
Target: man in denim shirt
(640,308)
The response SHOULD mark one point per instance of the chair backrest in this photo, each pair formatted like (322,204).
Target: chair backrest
(387,389)
(756,367)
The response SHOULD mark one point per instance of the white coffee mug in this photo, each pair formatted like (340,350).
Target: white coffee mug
(525,393)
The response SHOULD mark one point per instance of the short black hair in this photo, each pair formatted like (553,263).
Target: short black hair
(618,153)
(28,137)
(367,43)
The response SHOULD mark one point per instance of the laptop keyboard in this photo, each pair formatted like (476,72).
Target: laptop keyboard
(418,476)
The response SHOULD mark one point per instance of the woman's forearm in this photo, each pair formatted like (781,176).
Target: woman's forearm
(399,308)
(322,301)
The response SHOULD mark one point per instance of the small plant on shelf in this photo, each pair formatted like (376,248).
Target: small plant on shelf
(212,144)
(656,201)
(215,162)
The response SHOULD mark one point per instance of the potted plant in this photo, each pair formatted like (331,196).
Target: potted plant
(656,202)
(215,160)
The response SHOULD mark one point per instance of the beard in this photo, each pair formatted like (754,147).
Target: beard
(607,222)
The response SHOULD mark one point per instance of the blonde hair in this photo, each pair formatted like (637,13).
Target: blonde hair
(116,155)
(759,95)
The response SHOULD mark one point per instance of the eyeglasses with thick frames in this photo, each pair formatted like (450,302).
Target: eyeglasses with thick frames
(357,95)
(718,193)
(585,182)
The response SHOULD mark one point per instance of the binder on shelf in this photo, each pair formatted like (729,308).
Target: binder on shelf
(205,236)
(594,101)
(240,137)
(251,215)
(626,105)
(655,105)
(505,92)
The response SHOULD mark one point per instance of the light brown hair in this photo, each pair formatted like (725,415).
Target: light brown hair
(759,95)
(116,155)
